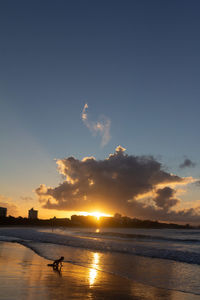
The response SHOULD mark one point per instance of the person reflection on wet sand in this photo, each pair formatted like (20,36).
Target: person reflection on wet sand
(58,271)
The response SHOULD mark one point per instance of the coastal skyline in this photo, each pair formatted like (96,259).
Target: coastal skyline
(89,80)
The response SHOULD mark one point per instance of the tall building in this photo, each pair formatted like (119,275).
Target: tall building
(3,211)
(32,214)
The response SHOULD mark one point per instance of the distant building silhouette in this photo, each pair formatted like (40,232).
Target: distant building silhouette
(32,214)
(3,211)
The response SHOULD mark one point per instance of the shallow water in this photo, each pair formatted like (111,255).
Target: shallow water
(113,252)
(25,275)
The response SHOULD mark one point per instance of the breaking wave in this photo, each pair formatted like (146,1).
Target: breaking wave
(173,245)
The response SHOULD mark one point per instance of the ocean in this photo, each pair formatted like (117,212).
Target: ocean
(164,258)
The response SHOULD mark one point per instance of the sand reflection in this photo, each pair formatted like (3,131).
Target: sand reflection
(24,275)
(93,271)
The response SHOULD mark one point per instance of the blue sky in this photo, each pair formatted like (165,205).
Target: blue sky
(135,62)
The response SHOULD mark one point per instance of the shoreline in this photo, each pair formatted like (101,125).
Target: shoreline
(25,275)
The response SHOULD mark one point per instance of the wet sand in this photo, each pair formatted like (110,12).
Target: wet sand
(25,275)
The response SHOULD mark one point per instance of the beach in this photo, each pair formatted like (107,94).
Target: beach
(25,275)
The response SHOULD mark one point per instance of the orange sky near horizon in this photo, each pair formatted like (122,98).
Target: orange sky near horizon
(49,213)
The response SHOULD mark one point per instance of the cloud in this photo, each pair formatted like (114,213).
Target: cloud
(197,183)
(26,198)
(148,211)
(102,126)
(187,164)
(84,114)
(165,198)
(137,186)
(12,209)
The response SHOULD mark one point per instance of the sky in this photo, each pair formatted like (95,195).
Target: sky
(80,78)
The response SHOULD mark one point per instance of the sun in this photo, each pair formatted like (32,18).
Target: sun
(95,214)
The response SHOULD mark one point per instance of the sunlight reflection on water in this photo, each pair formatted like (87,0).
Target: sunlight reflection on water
(93,271)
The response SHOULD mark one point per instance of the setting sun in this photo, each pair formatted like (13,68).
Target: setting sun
(95,214)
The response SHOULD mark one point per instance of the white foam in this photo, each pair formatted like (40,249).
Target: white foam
(157,248)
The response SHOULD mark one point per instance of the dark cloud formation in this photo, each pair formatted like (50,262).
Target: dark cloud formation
(144,211)
(119,183)
(115,184)
(165,198)
(187,164)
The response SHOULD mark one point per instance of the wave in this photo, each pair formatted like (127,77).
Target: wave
(138,236)
(28,237)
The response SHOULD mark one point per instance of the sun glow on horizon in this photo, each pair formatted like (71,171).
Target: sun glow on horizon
(95,214)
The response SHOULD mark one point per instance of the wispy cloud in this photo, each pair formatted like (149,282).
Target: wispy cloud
(187,164)
(102,126)
(13,210)
(26,198)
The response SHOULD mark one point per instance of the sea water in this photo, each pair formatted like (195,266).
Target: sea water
(165,258)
